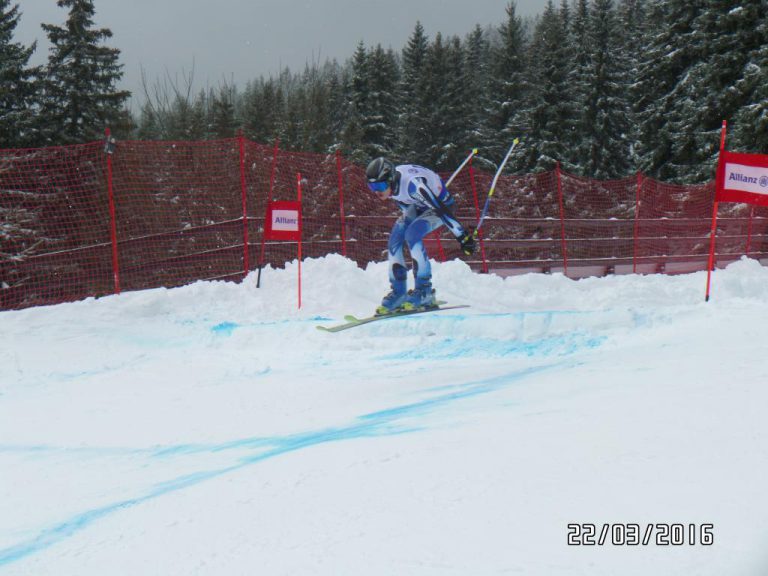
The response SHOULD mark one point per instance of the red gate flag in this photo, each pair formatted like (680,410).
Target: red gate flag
(283,221)
(742,178)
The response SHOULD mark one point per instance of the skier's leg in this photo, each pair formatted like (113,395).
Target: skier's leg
(397,268)
(398,273)
(422,294)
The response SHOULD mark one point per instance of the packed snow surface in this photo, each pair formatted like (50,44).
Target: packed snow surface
(213,430)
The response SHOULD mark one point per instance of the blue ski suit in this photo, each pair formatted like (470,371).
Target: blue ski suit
(426,204)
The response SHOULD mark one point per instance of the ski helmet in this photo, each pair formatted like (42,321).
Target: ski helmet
(380,170)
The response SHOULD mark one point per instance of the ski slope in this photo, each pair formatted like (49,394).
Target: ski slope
(212,430)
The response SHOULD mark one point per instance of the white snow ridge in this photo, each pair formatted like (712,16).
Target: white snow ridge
(607,426)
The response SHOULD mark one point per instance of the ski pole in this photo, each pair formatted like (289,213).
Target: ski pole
(493,184)
(467,159)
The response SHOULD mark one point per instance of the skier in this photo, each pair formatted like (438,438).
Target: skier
(426,204)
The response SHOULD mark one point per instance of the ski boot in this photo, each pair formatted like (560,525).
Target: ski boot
(422,297)
(394,300)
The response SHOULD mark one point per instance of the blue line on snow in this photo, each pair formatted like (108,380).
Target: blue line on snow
(491,348)
(225,328)
(374,424)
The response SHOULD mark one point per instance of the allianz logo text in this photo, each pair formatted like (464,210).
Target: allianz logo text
(763,181)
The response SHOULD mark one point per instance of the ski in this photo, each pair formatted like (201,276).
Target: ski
(353,321)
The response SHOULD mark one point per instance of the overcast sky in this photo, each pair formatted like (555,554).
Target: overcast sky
(240,40)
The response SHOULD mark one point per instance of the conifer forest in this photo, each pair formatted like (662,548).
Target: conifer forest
(606,88)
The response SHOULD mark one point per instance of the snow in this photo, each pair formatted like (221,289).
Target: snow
(211,429)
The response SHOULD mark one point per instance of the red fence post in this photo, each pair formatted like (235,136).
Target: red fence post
(440,250)
(562,219)
(271,186)
(713,231)
(246,257)
(477,213)
(298,192)
(341,205)
(637,221)
(269,199)
(711,260)
(749,231)
(109,148)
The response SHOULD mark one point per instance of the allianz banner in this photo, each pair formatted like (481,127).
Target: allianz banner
(283,221)
(742,178)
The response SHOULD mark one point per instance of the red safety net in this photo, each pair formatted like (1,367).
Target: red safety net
(54,225)
(77,221)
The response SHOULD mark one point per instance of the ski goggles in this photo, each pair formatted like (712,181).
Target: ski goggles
(378,186)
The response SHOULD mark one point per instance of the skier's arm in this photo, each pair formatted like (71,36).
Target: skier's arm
(419,190)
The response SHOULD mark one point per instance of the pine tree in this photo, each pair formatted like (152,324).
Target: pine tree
(149,124)
(337,103)
(223,122)
(551,110)
(456,103)
(80,95)
(715,86)
(434,110)
(292,135)
(605,125)
(318,125)
(477,78)
(672,51)
(751,122)
(357,96)
(370,130)
(580,49)
(263,110)
(633,22)
(413,134)
(508,87)
(186,119)
(18,82)
(574,57)
(380,119)
(251,111)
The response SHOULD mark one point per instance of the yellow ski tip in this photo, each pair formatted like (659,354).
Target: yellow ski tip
(474,150)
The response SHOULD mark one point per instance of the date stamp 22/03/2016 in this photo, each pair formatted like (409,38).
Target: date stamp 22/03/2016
(620,534)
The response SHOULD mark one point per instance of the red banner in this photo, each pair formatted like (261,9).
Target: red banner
(742,178)
(283,221)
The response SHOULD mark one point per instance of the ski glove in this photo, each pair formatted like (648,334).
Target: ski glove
(467,241)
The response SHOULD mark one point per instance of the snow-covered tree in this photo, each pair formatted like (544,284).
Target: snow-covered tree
(717,84)
(633,22)
(380,120)
(436,109)
(576,44)
(413,136)
(222,121)
(750,123)
(457,103)
(263,109)
(371,126)
(476,78)
(672,49)
(17,82)
(605,122)
(750,18)
(552,108)
(337,103)
(80,96)
(434,98)
(507,116)
(319,124)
